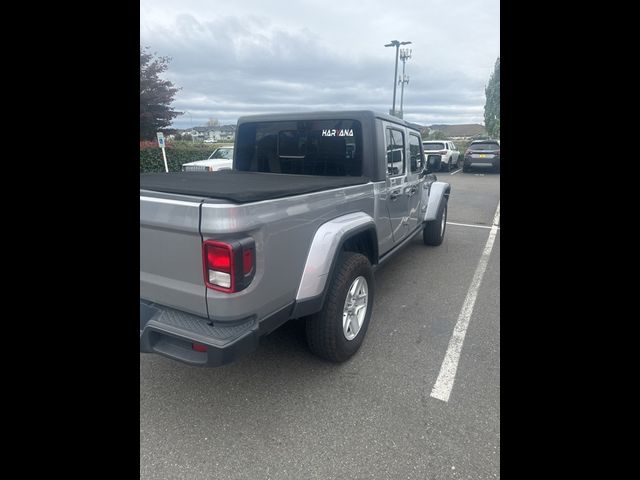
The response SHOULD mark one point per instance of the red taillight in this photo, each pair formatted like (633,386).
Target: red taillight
(198,347)
(219,257)
(228,267)
(219,271)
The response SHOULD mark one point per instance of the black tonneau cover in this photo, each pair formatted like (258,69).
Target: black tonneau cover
(242,187)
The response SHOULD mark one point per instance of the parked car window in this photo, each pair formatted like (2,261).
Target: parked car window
(222,153)
(395,152)
(453,146)
(485,146)
(414,152)
(433,146)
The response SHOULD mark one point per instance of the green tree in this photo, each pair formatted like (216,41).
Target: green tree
(492,105)
(156,95)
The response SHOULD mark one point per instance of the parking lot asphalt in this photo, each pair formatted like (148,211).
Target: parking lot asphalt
(282,413)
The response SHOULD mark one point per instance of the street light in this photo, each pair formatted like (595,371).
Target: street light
(395,43)
(405,54)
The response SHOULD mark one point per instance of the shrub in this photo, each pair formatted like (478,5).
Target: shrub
(148,144)
(178,153)
(462,146)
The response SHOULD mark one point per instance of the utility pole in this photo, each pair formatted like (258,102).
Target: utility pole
(395,43)
(405,55)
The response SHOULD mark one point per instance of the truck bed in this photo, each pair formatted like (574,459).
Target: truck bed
(242,187)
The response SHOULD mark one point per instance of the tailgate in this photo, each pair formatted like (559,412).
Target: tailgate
(171,252)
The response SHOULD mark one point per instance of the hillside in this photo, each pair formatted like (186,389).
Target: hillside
(463,130)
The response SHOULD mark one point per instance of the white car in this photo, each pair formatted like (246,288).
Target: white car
(220,159)
(447,150)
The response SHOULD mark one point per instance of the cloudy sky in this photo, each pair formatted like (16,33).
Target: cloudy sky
(239,57)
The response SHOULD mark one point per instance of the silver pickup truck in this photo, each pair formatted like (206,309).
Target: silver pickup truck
(314,203)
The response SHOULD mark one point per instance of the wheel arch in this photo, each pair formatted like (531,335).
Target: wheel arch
(437,192)
(351,233)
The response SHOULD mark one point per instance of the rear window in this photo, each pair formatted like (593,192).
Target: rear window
(484,146)
(307,147)
(433,146)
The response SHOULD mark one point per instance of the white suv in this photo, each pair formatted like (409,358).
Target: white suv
(447,150)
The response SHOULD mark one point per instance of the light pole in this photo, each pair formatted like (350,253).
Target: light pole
(395,43)
(405,55)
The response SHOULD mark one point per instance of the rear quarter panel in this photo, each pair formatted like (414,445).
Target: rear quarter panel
(283,231)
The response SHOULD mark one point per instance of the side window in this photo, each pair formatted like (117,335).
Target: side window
(453,147)
(414,152)
(395,152)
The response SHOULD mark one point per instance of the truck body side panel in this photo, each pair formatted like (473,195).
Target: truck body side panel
(283,230)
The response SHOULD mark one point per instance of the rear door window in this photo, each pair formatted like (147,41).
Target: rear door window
(395,152)
(415,158)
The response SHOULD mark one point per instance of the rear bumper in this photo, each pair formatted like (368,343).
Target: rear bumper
(482,162)
(172,333)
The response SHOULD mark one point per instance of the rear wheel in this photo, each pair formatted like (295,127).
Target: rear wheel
(337,332)
(446,167)
(433,232)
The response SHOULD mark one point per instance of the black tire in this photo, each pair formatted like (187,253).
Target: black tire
(433,232)
(446,167)
(325,333)
(465,168)
(459,163)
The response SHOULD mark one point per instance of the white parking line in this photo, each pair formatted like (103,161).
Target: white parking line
(469,225)
(444,383)
(453,173)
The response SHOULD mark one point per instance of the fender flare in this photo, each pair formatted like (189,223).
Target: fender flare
(437,191)
(321,259)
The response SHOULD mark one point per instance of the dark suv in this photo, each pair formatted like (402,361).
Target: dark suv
(483,153)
